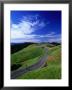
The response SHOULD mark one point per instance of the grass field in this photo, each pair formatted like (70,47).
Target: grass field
(31,54)
(27,56)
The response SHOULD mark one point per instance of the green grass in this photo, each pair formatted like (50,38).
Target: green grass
(27,56)
(29,62)
(49,72)
(53,69)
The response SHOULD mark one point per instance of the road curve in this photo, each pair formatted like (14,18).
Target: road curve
(40,63)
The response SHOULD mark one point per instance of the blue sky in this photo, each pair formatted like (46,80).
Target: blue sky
(35,26)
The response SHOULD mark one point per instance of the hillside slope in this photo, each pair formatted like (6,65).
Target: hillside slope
(52,69)
(26,57)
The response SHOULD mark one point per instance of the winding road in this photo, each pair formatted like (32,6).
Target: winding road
(40,63)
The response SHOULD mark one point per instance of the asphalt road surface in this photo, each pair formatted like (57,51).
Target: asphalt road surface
(40,63)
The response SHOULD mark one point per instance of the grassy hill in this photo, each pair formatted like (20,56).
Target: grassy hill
(30,55)
(52,69)
(26,56)
(15,47)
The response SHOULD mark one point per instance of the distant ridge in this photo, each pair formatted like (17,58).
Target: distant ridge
(18,46)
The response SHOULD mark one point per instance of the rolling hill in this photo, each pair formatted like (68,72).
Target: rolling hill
(26,56)
(31,54)
(52,69)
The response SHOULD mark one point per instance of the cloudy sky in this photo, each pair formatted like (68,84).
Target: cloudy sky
(35,26)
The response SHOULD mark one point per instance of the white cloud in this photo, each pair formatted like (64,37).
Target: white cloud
(22,32)
(51,34)
(55,40)
(25,27)
(25,40)
(36,38)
